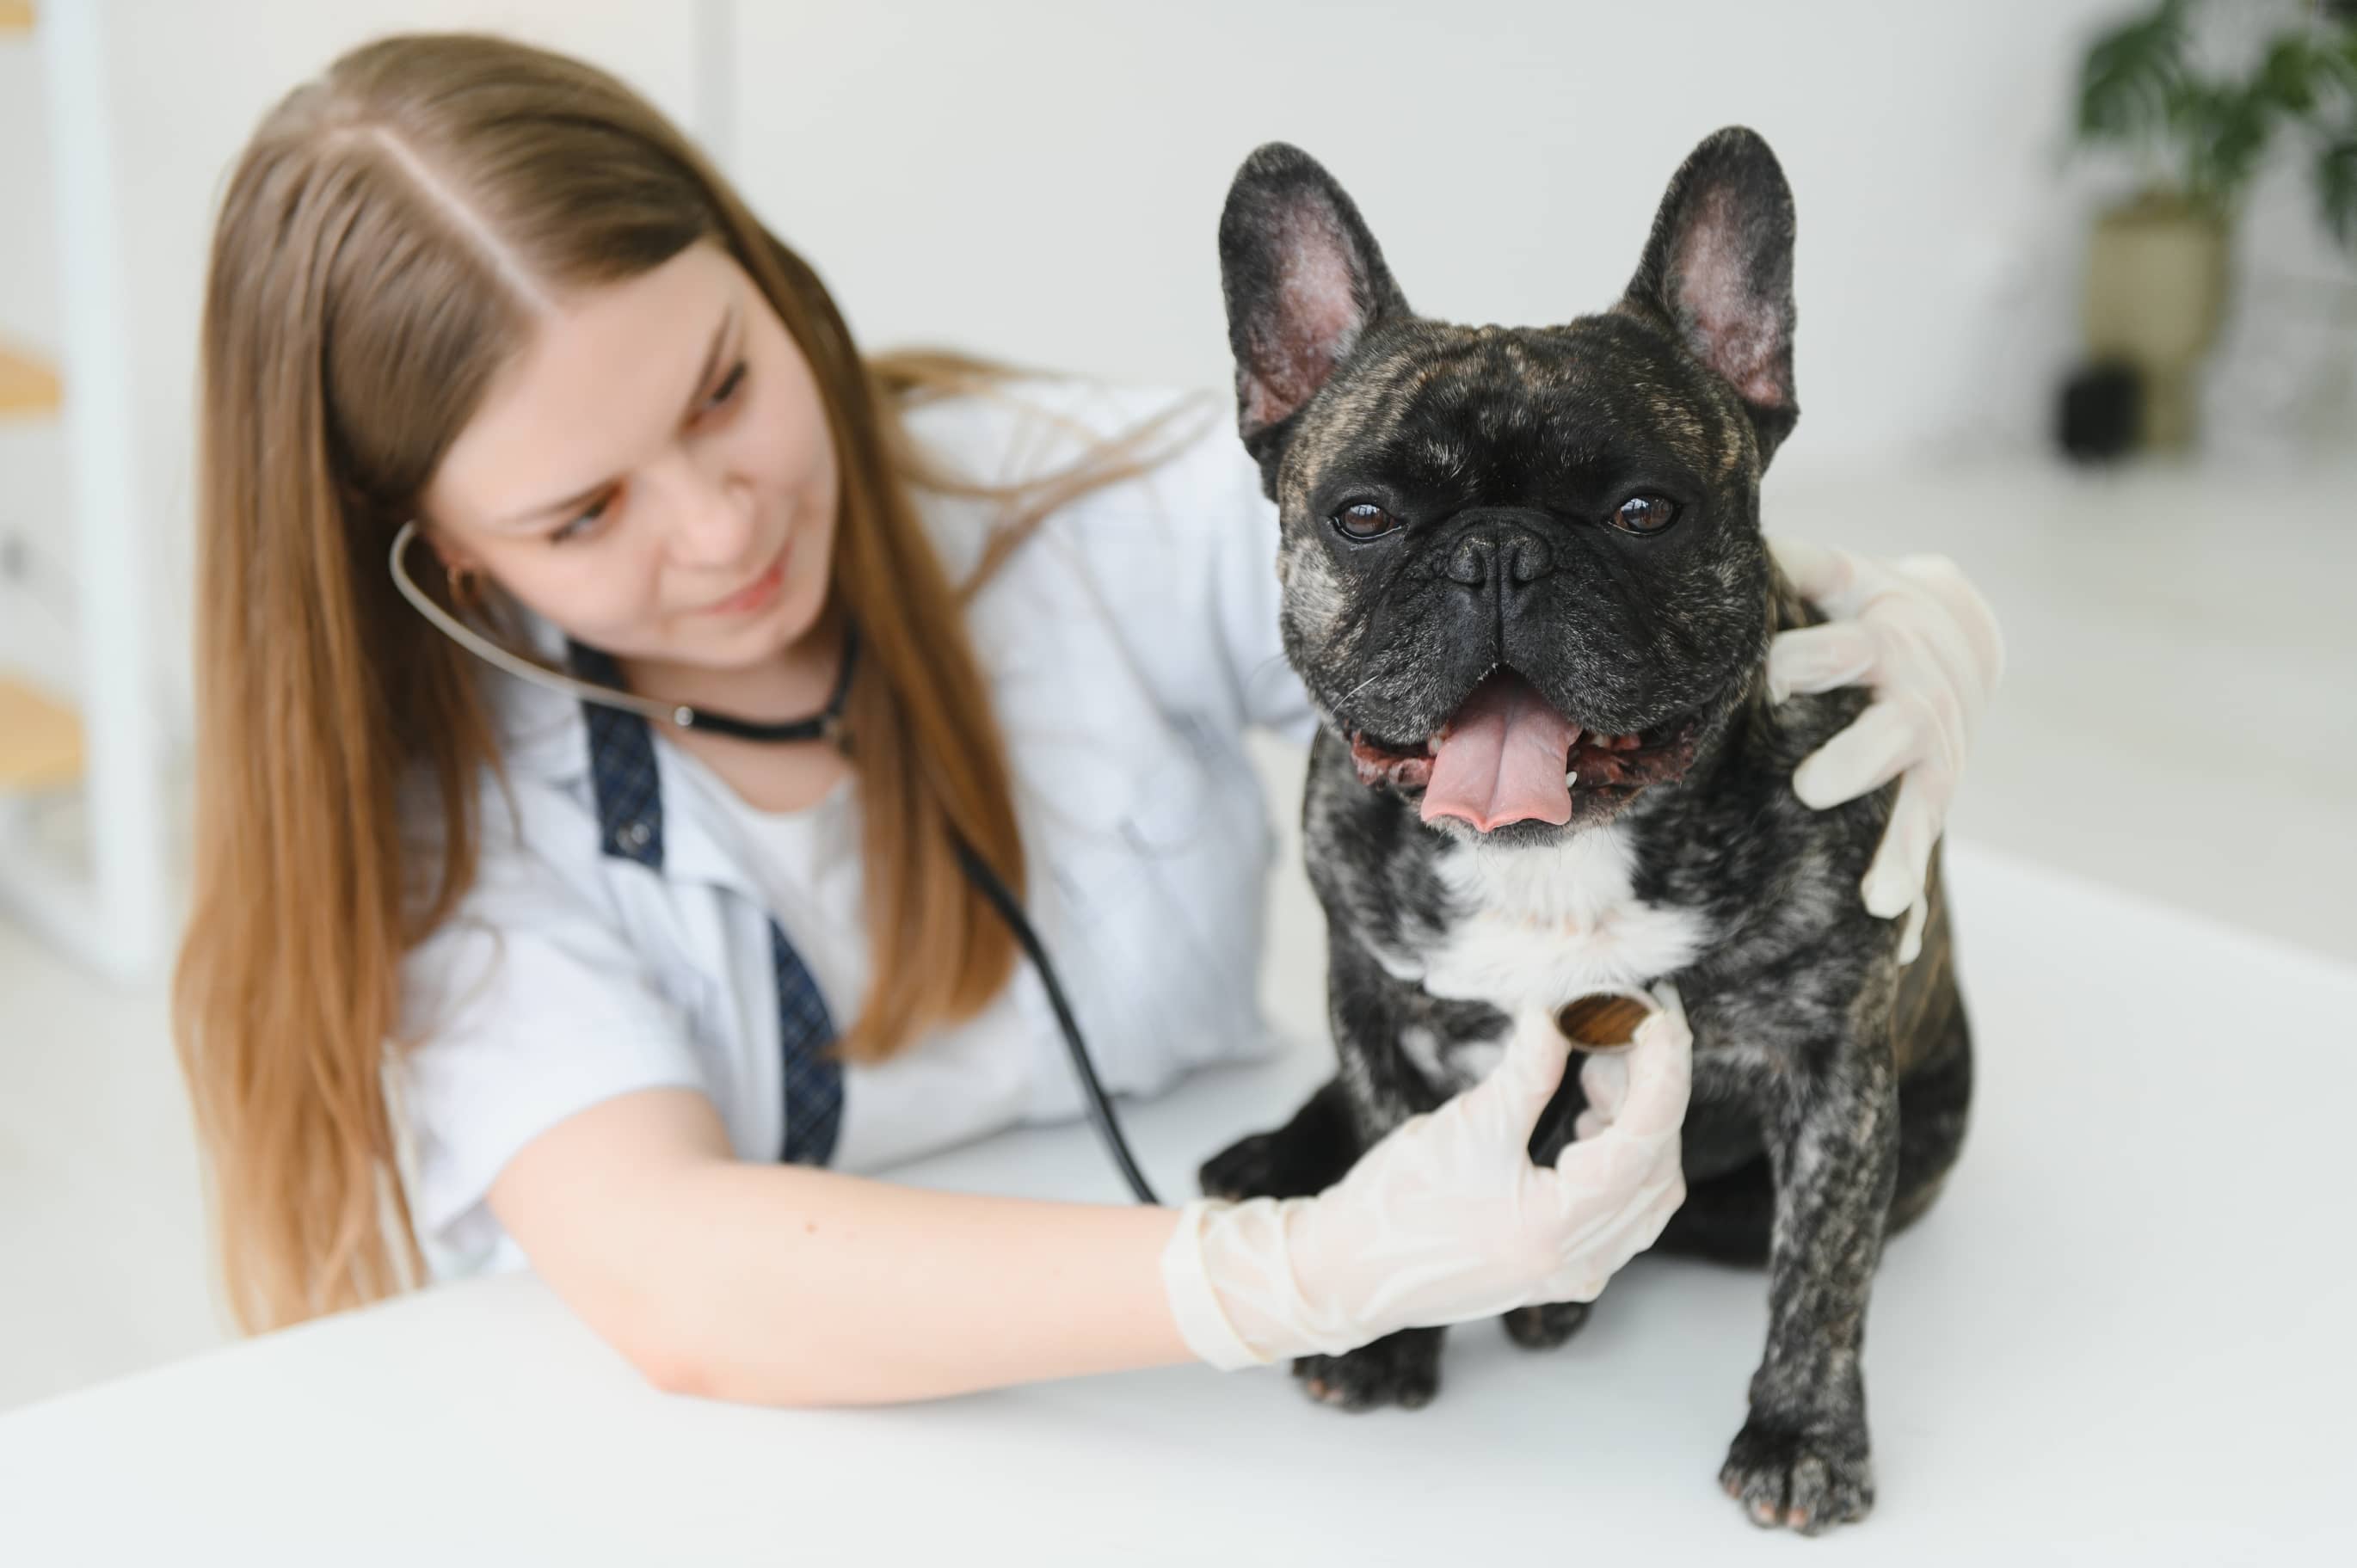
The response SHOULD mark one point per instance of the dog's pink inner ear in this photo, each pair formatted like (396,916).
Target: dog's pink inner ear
(1732,322)
(1315,319)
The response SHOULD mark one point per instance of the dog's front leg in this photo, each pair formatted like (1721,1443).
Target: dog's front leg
(1802,1458)
(1376,1089)
(1300,1159)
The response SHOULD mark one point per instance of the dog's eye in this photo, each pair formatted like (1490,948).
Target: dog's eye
(1364,520)
(1645,514)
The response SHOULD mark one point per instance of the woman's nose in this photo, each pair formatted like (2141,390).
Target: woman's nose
(712,517)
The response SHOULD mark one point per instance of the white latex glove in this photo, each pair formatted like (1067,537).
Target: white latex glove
(1447,1218)
(1923,636)
(1604,1083)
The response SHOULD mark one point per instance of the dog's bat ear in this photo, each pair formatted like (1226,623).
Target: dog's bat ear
(1304,281)
(1718,272)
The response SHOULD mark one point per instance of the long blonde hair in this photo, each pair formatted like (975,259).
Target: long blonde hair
(355,308)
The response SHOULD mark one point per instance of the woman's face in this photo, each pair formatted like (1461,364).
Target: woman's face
(654,472)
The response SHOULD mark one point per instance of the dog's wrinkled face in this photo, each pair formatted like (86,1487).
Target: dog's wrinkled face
(1522,569)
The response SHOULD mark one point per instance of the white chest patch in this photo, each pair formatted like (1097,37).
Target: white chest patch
(1543,926)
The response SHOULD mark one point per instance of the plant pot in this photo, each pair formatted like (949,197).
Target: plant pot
(2156,290)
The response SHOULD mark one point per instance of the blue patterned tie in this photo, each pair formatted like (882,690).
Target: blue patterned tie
(813,1079)
(629,817)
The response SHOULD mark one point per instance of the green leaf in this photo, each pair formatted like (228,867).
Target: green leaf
(2287,79)
(2336,59)
(2236,138)
(2336,189)
(2130,74)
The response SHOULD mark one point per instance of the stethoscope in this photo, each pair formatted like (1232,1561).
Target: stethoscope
(826,726)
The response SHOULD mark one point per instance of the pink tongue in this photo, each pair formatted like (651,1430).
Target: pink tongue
(1502,760)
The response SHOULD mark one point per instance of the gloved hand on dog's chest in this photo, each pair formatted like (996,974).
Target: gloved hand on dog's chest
(1924,638)
(1447,1218)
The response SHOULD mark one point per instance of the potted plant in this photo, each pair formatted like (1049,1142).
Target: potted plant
(2156,268)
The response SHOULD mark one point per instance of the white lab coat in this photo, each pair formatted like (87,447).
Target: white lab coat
(1128,646)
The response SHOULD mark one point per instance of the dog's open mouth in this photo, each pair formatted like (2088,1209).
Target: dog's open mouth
(1507,755)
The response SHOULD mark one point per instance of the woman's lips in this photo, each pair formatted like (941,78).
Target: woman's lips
(756,594)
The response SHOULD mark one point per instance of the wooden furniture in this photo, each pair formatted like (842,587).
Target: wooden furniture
(106,906)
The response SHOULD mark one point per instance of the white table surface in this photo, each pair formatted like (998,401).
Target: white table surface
(2128,1332)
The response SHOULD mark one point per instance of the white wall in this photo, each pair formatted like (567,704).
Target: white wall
(1044,178)
(1041,178)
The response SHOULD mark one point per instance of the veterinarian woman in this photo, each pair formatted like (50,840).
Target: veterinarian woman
(480,972)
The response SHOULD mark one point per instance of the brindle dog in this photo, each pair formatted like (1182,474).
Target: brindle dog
(1524,580)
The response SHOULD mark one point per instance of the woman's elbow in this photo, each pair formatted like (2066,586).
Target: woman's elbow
(682,1363)
(662,1323)
(672,1369)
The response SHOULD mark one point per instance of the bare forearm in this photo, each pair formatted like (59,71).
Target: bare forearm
(798,1286)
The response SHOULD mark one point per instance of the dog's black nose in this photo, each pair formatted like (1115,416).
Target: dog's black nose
(1475,559)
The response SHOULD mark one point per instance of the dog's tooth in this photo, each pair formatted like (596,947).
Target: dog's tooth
(1571,780)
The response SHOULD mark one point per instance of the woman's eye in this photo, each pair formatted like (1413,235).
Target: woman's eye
(586,520)
(728,388)
(1364,520)
(1645,514)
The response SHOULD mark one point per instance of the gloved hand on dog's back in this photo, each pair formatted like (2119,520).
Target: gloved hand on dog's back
(1448,1218)
(1919,633)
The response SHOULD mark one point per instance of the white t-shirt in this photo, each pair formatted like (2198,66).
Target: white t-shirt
(807,868)
(1127,647)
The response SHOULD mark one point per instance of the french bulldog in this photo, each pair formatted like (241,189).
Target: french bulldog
(1523,580)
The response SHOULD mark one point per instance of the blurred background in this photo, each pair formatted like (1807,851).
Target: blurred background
(2078,306)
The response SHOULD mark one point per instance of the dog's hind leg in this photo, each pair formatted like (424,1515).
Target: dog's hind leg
(1931,1040)
(1932,1110)
(1545,1326)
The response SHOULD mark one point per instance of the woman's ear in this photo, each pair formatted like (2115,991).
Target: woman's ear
(455,559)
(463,572)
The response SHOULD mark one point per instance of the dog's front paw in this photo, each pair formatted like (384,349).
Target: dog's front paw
(1545,1326)
(1401,1368)
(1809,1478)
(1250,1167)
